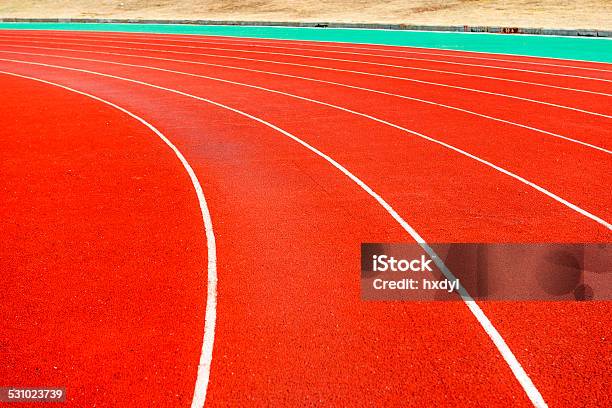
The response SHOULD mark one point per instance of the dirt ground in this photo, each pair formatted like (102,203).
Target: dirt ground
(588,14)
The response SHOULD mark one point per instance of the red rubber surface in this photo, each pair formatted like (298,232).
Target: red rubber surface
(105,252)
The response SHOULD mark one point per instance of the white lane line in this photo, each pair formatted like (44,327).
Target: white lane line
(313,80)
(373,118)
(356,61)
(199,396)
(244,42)
(518,371)
(516,81)
(352,72)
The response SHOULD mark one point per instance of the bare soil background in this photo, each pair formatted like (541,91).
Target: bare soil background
(588,14)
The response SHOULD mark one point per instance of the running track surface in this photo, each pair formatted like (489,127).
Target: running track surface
(112,268)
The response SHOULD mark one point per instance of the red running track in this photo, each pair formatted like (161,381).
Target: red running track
(106,250)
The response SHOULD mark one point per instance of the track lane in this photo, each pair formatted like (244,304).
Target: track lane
(372,65)
(504,113)
(539,161)
(321,109)
(104,272)
(471,85)
(396,385)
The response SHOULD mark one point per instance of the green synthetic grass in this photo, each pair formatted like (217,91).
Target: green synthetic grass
(589,49)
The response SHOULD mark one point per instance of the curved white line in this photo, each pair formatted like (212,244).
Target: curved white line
(516,81)
(203,375)
(313,80)
(393,125)
(357,72)
(530,389)
(260,44)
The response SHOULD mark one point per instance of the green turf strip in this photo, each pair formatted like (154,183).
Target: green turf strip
(589,49)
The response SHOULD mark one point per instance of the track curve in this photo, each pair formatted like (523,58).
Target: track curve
(288,332)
